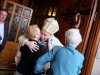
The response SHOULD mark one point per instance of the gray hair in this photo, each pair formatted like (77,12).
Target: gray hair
(73,37)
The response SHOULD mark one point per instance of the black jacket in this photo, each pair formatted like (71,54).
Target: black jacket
(28,61)
(6,28)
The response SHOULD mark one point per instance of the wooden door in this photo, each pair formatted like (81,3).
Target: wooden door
(89,30)
(19,17)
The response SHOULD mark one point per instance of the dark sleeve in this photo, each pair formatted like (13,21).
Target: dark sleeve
(6,27)
(42,50)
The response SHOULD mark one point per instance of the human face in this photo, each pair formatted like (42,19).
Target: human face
(3,16)
(45,36)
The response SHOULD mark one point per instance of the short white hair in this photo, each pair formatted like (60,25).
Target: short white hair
(73,37)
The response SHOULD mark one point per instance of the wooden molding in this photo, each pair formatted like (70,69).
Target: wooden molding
(91,47)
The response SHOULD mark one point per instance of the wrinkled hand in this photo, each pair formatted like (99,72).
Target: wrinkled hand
(32,46)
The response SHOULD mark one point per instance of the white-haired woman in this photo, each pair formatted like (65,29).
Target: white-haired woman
(64,60)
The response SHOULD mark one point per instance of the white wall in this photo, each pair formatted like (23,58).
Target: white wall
(96,66)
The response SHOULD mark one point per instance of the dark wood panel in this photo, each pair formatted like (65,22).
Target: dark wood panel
(87,9)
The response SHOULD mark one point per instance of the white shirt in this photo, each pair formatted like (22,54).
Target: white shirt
(1,32)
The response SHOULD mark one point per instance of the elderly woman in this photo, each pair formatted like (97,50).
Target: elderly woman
(64,60)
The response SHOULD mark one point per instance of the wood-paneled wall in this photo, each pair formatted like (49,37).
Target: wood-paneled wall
(65,16)
(92,45)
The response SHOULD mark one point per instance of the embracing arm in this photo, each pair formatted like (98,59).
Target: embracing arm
(23,40)
(42,61)
(47,57)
